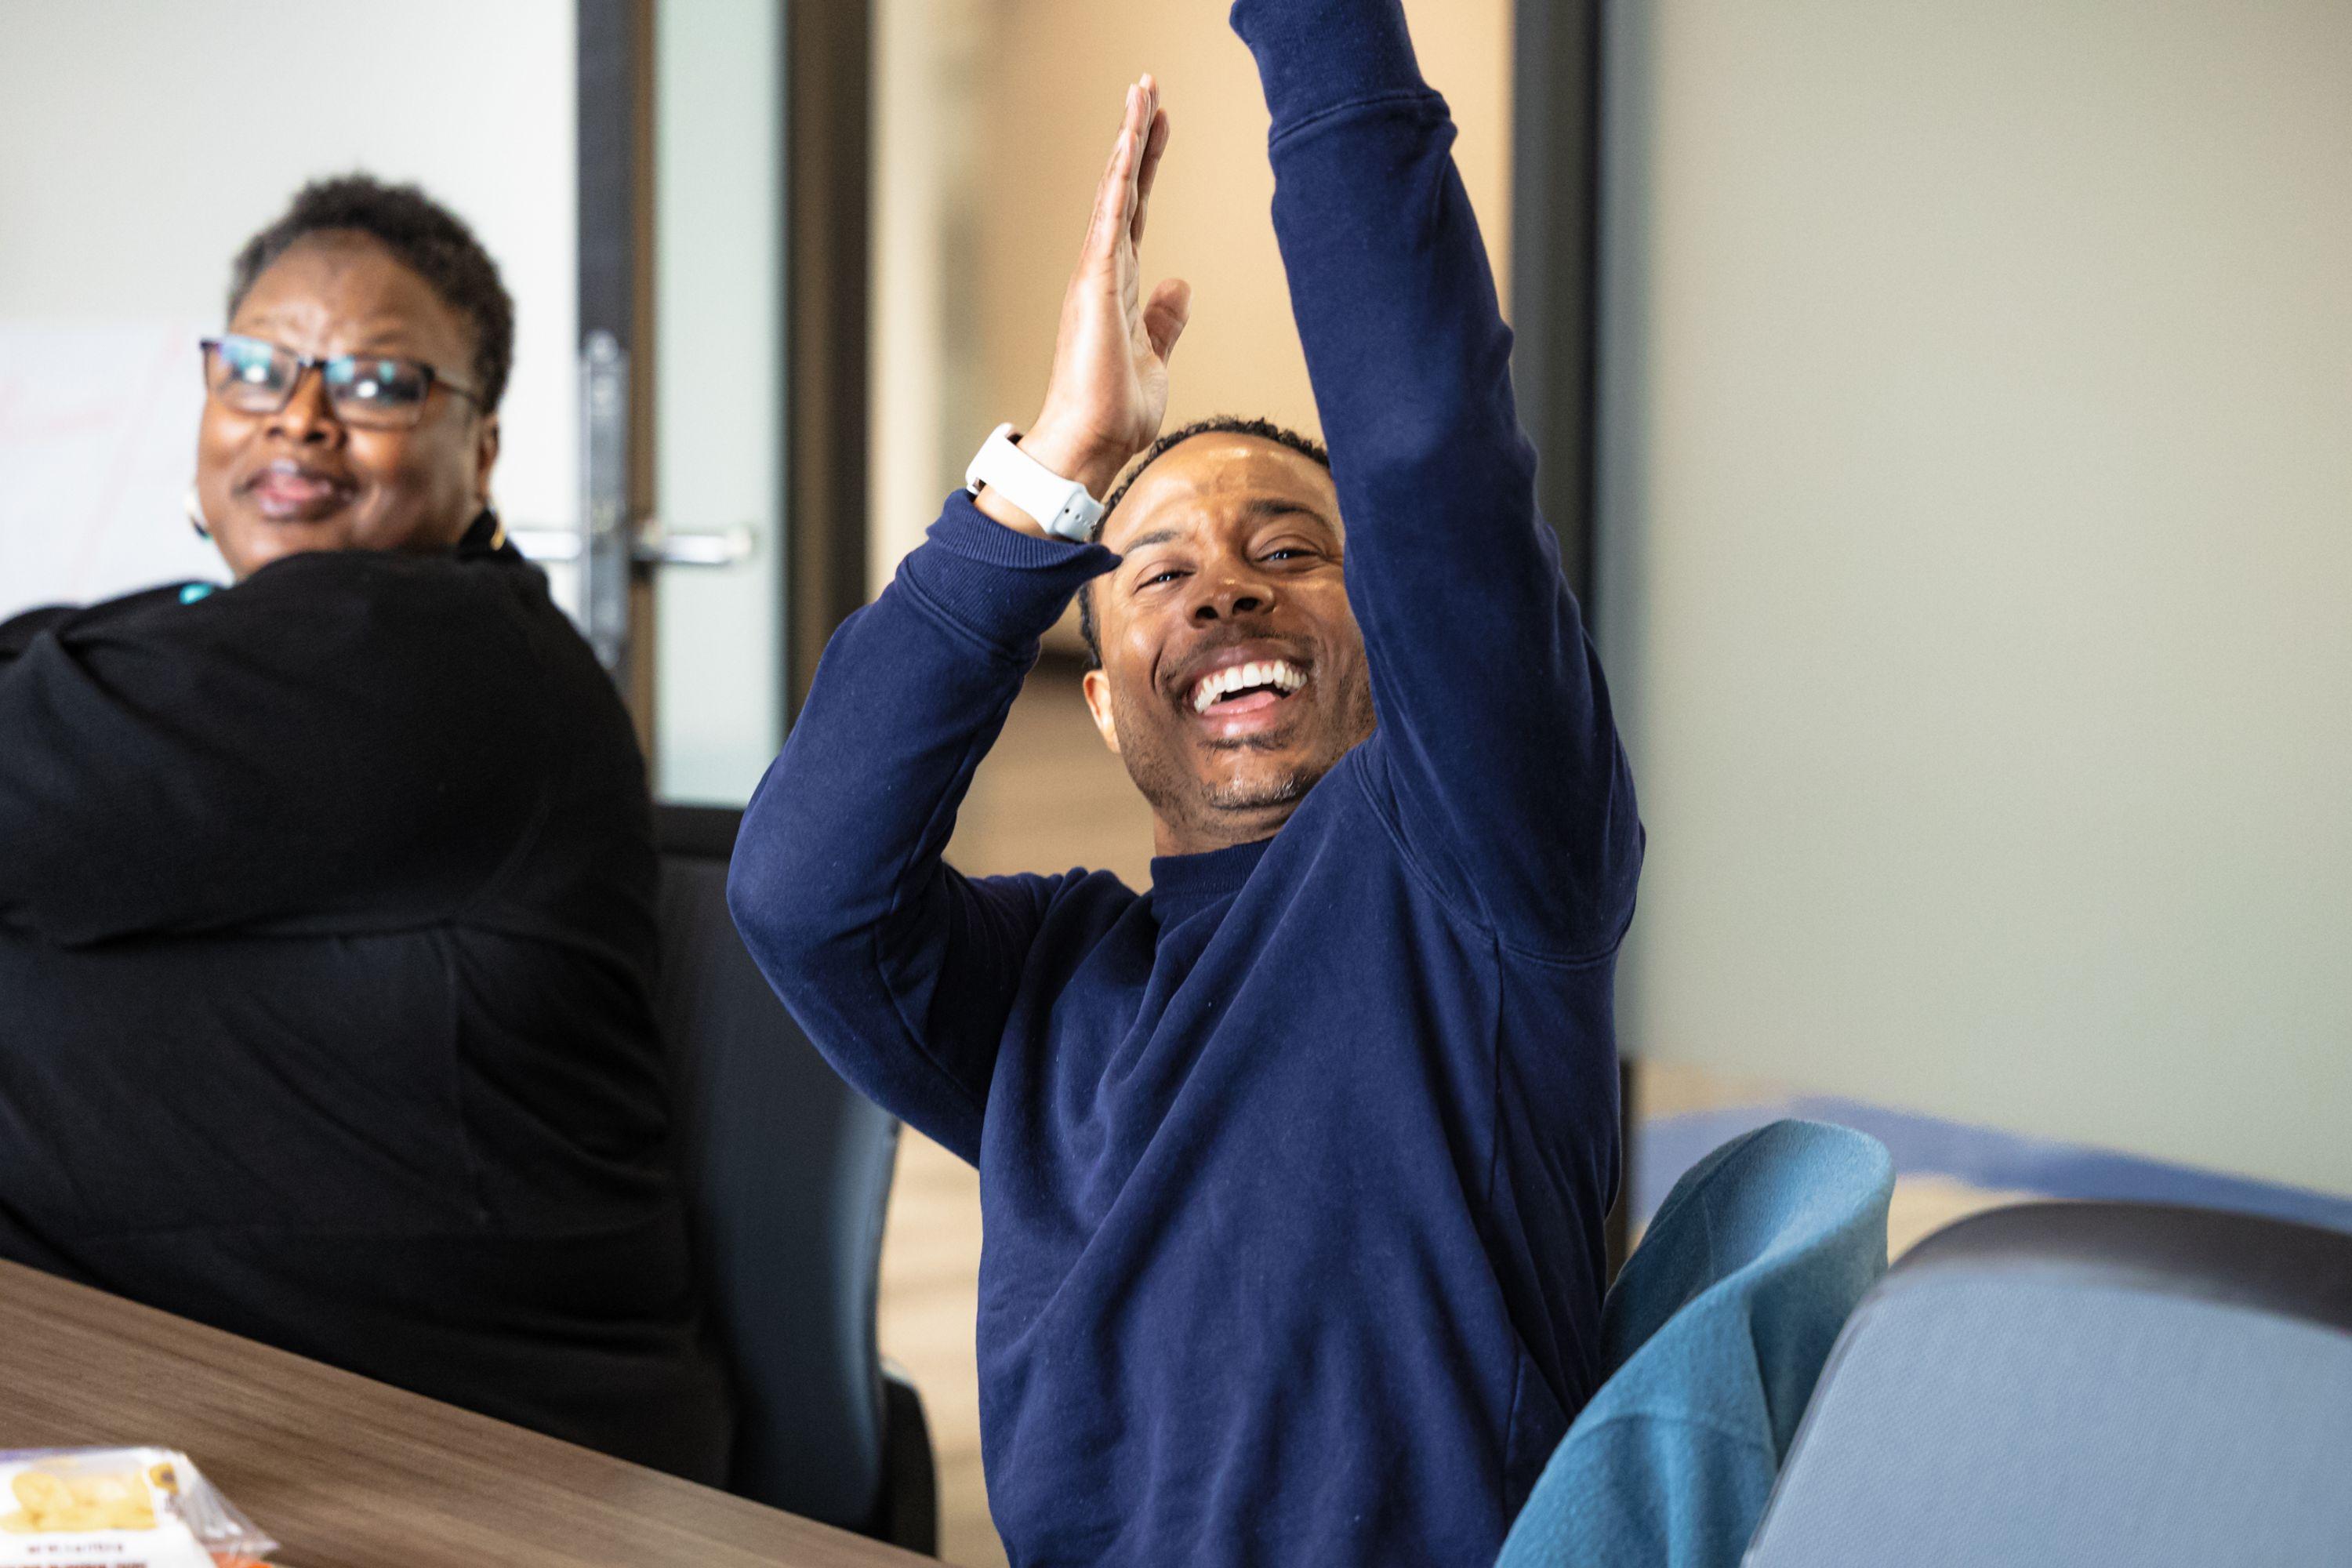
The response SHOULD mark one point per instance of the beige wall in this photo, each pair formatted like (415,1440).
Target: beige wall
(993,120)
(1979,585)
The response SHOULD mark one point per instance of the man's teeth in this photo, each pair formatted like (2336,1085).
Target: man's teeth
(1275,672)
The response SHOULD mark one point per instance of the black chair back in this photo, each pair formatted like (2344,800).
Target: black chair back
(787,1172)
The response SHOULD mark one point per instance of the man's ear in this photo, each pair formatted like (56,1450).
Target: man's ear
(1097,689)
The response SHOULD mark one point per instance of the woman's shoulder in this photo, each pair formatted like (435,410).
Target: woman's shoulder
(18,631)
(380,573)
(389,604)
(368,643)
(474,643)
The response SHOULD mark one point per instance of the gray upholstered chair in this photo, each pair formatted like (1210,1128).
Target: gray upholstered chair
(2085,1384)
(787,1172)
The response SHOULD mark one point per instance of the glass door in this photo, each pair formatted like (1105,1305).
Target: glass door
(717,420)
(719,434)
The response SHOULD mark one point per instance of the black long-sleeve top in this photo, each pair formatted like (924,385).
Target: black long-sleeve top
(326,960)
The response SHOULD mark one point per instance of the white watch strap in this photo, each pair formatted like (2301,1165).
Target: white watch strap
(1062,506)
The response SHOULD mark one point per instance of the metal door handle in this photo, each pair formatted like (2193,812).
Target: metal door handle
(607,543)
(603,532)
(656,545)
(650,544)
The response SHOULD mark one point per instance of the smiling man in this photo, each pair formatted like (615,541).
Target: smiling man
(1294,1166)
(1207,700)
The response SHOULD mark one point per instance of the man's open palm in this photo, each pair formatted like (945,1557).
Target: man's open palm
(1109,385)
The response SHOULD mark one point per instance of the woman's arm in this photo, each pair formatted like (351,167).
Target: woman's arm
(17,633)
(346,742)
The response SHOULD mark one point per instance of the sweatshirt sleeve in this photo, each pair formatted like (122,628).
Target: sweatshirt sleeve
(902,970)
(1497,753)
(344,742)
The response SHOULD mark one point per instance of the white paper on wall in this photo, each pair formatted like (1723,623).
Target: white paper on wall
(98,442)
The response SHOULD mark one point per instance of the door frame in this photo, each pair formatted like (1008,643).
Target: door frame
(613,342)
(828,165)
(1557,87)
(819,565)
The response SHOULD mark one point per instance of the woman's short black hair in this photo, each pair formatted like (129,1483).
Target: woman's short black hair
(1215,425)
(424,236)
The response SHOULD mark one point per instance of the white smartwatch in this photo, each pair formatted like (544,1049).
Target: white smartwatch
(1062,506)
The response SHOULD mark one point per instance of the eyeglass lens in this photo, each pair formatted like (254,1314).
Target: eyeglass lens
(256,377)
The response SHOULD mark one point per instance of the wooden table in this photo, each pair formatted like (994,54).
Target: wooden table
(349,1473)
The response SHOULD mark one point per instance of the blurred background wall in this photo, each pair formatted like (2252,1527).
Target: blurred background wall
(1977,540)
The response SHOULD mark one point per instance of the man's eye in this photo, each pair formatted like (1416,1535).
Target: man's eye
(1165,574)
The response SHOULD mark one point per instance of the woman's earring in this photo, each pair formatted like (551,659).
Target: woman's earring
(194,506)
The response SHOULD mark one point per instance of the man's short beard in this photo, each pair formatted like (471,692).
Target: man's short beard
(1178,795)
(1256,794)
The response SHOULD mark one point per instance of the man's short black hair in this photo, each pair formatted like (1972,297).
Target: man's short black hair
(1215,425)
(424,236)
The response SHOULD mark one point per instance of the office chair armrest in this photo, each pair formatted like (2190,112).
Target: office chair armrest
(909,1514)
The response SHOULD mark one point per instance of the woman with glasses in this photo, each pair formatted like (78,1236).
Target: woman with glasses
(326,899)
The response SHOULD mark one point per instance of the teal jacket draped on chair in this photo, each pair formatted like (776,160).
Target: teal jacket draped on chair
(1711,1341)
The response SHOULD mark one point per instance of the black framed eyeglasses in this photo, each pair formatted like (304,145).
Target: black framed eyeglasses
(377,392)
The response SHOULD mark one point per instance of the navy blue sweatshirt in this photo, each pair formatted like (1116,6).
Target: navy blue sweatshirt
(1292,1168)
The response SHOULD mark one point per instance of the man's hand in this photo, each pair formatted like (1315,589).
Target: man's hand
(1109,386)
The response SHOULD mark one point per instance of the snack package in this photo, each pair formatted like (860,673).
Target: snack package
(122,1507)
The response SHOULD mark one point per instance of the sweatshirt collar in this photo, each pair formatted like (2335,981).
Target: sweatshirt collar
(1181,884)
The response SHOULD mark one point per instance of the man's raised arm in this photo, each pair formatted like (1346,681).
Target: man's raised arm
(903,971)
(1496,743)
